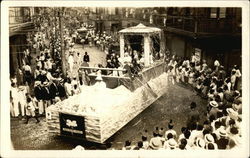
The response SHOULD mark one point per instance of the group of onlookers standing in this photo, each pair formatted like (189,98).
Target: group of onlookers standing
(222,126)
(40,82)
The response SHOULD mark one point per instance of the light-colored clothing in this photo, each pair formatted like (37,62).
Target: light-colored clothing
(15,100)
(71,63)
(145,145)
(41,108)
(49,76)
(22,100)
(68,89)
(30,109)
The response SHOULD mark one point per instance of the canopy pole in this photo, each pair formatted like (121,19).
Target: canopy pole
(122,45)
(146,49)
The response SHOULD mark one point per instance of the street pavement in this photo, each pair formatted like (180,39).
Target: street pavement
(96,57)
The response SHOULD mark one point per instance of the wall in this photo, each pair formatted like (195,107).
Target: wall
(176,45)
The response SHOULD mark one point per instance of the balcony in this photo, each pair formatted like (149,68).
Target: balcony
(190,25)
(19,19)
(104,17)
(20,24)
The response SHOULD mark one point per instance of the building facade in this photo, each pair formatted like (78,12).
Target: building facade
(20,23)
(211,33)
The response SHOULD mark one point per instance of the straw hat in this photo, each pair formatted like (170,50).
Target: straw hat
(232,114)
(57,99)
(214,104)
(172,143)
(79,148)
(44,72)
(222,132)
(200,142)
(155,143)
(45,83)
(209,138)
(37,83)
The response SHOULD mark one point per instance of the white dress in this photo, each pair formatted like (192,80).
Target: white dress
(15,97)
(30,109)
(22,100)
(71,63)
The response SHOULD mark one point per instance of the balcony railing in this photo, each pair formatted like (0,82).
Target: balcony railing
(19,19)
(191,24)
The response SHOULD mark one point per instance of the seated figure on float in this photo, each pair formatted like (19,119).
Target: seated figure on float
(100,84)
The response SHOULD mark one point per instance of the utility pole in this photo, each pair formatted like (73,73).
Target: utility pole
(62,41)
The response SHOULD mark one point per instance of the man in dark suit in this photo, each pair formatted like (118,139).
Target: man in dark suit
(46,94)
(53,90)
(42,76)
(86,57)
(39,97)
(128,69)
(61,89)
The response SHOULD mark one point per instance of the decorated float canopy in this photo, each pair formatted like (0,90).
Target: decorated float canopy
(140,28)
(146,32)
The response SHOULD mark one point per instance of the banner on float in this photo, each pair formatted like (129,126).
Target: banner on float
(72,125)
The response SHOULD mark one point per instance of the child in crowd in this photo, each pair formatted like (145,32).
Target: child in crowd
(30,110)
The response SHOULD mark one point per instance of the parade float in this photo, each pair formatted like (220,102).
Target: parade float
(98,112)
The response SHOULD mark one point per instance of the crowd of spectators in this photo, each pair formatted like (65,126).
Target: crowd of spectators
(222,127)
(40,82)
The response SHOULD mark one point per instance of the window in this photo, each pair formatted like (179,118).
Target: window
(222,13)
(213,13)
(218,13)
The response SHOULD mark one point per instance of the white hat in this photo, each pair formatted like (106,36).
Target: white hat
(200,142)
(79,148)
(37,83)
(214,104)
(209,138)
(45,83)
(155,143)
(172,143)
(232,114)
(44,72)
(222,131)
